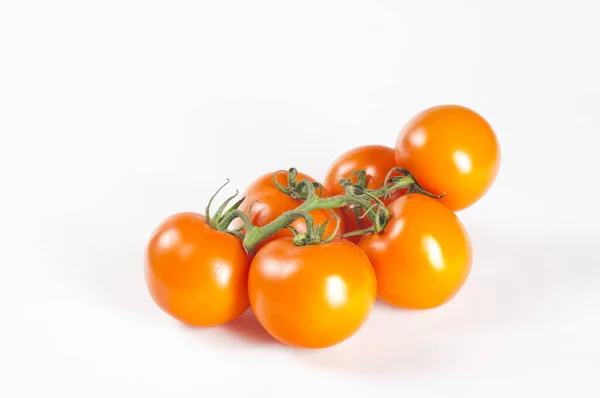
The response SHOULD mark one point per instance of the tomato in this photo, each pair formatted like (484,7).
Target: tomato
(311,296)
(423,256)
(197,274)
(450,149)
(376,161)
(270,202)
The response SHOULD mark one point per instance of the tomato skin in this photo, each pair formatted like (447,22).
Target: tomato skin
(423,256)
(450,149)
(270,203)
(196,274)
(376,161)
(311,296)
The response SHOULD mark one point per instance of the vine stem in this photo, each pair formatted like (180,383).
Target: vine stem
(355,195)
(403,182)
(358,232)
(256,235)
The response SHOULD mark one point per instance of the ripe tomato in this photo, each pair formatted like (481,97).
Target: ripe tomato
(376,161)
(270,202)
(197,274)
(311,296)
(423,256)
(450,149)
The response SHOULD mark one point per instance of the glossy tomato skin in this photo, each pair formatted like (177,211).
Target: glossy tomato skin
(311,296)
(423,256)
(376,161)
(270,203)
(196,274)
(450,149)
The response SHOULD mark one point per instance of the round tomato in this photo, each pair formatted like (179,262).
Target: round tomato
(376,161)
(197,274)
(311,296)
(450,150)
(423,256)
(270,202)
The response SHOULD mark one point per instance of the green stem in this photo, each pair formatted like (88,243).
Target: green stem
(403,182)
(257,234)
(356,195)
(232,215)
(359,232)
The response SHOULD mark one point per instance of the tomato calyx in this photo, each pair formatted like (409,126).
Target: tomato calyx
(294,189)
(355,188)
(221,219)
(315,234)
(415,187)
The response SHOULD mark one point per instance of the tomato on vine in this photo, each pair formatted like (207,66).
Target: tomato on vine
(376,161)
(311,296)
(423,256)
(268,202)
(195,273)
(450,150)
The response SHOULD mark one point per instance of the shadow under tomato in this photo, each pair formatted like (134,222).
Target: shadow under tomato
(244,332)
(247,328)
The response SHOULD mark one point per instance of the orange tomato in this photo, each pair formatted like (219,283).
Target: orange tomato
(450,149)
(423,256)
(197,274)
(270,203)
(311,296)
(376,161)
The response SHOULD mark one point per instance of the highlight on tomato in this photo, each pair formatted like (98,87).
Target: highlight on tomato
(423,256)
(312,296)
(195,273)
(376,161)
(269,202)
(450,150)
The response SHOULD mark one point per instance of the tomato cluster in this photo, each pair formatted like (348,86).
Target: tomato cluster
(310,291)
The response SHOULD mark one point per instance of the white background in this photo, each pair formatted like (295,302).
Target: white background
(115,114)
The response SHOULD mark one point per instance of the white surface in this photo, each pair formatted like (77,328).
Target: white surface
(116,114)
